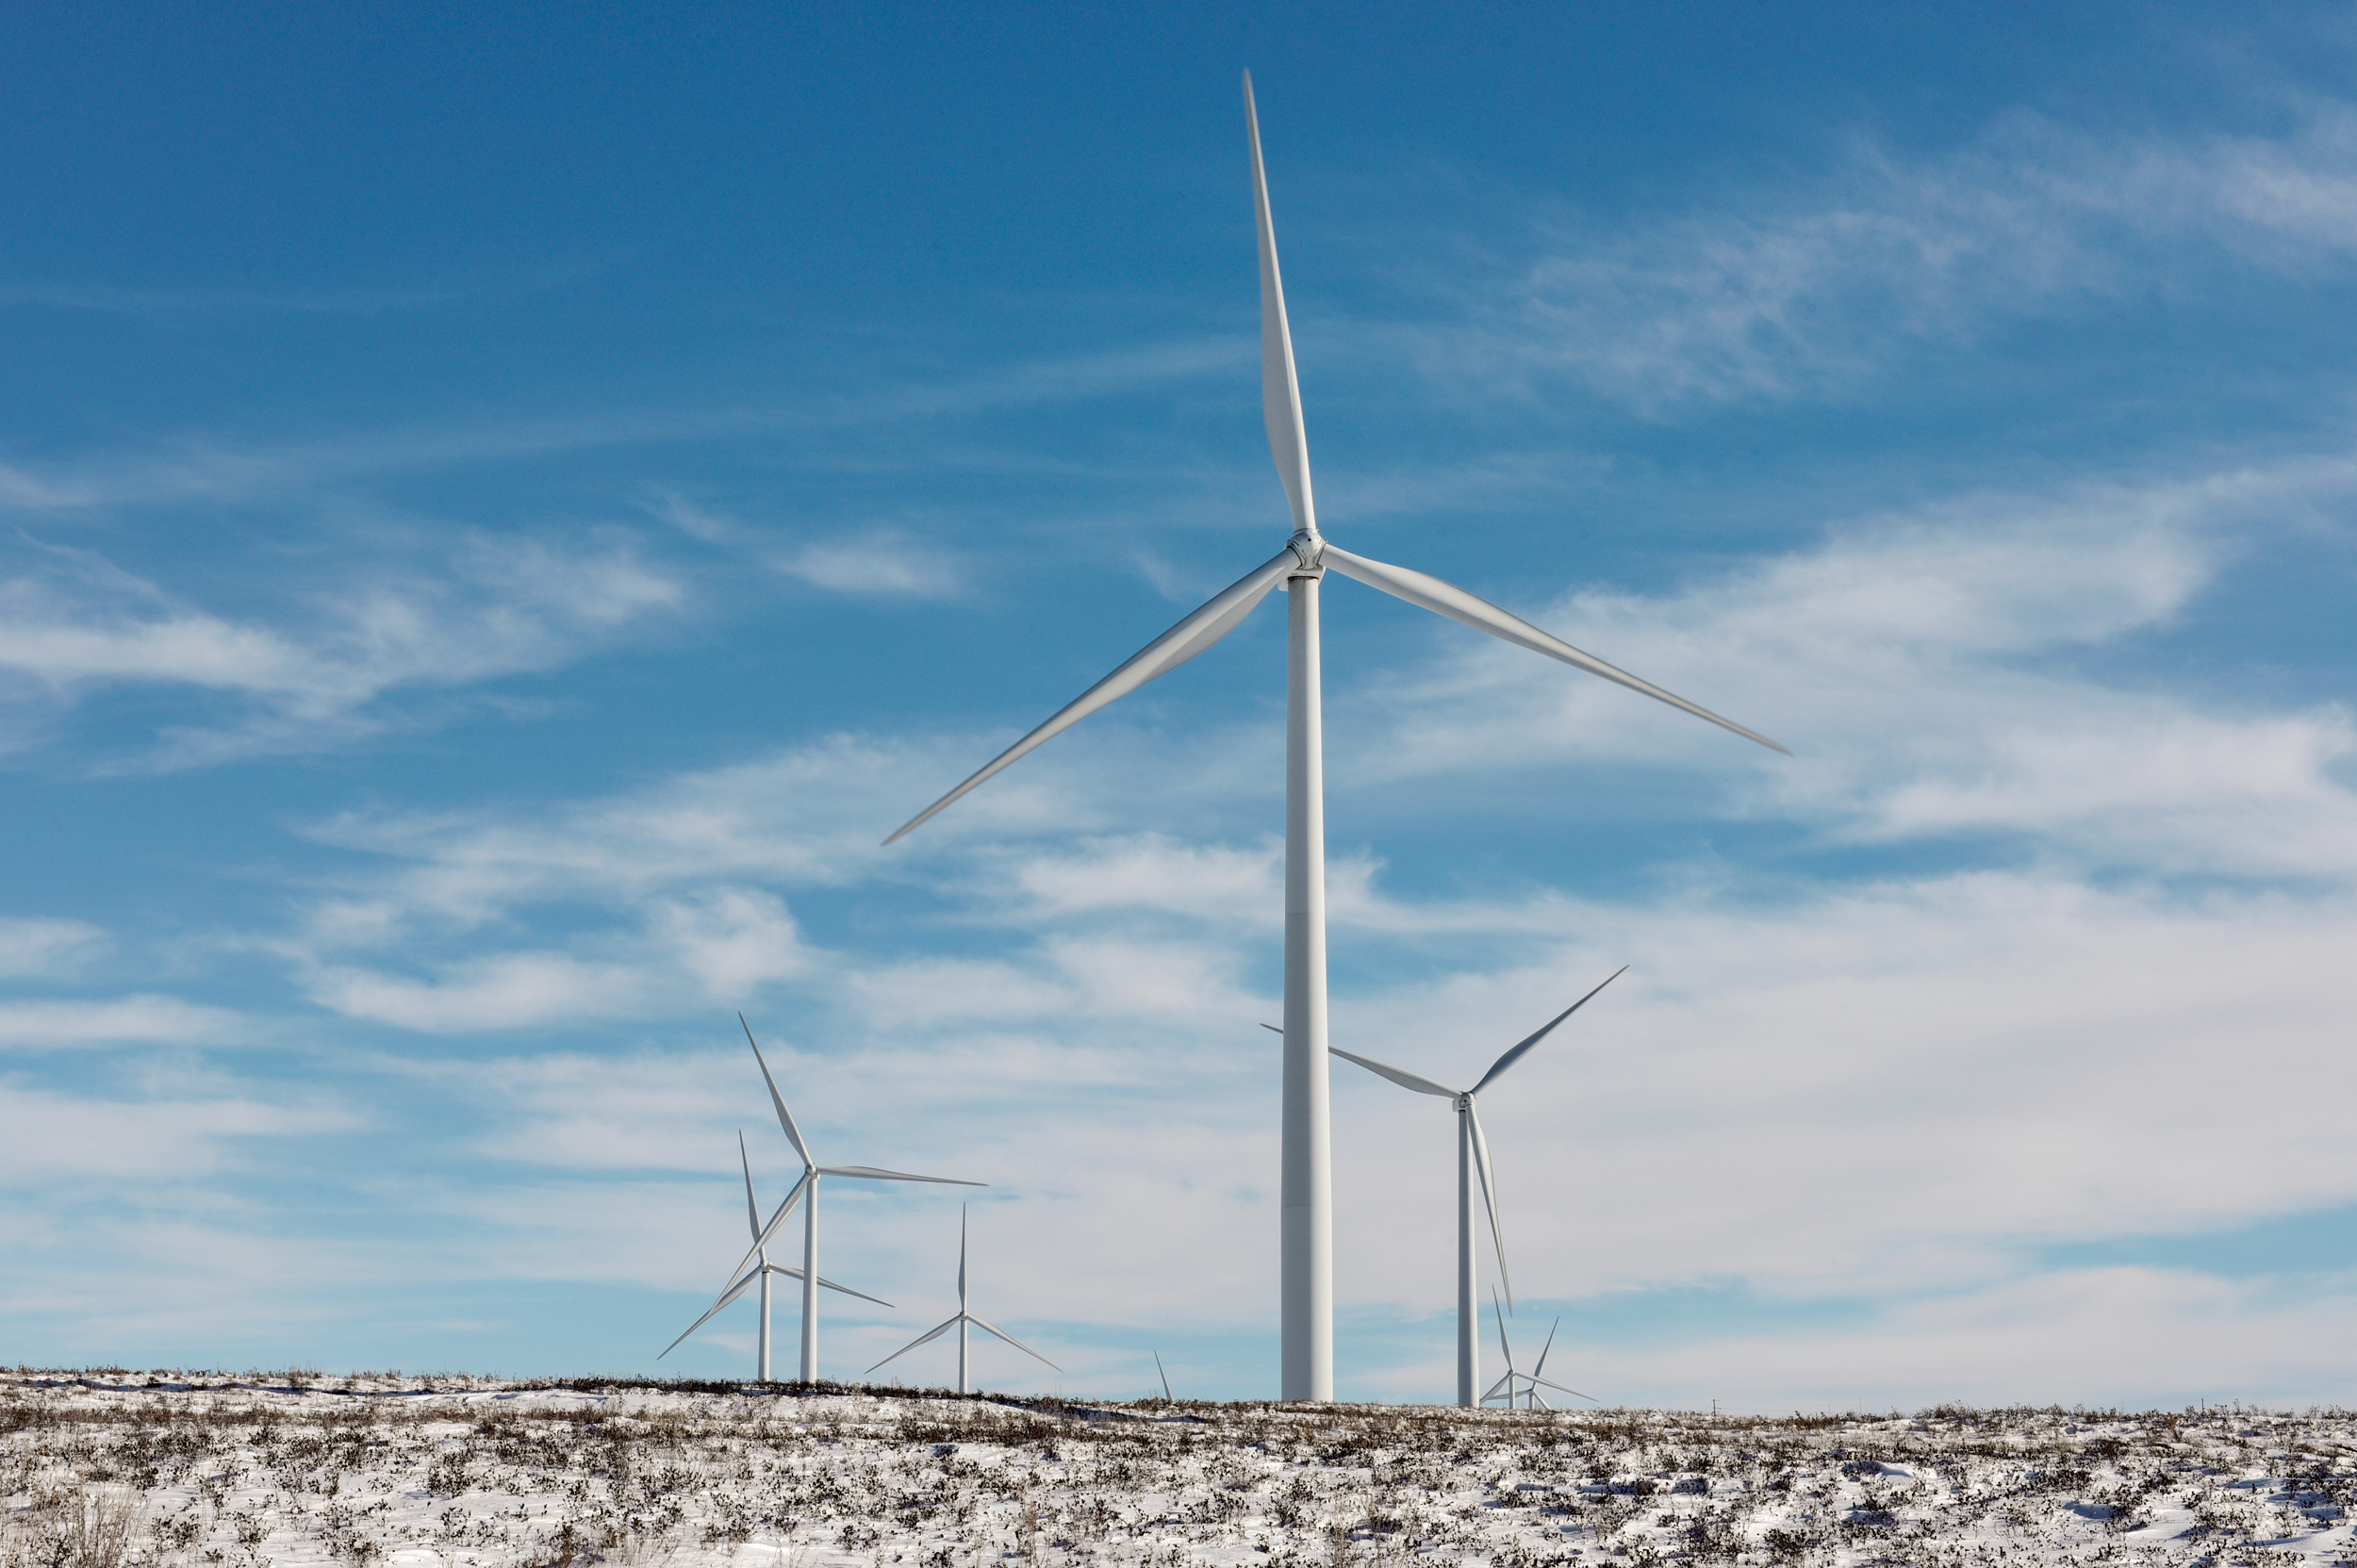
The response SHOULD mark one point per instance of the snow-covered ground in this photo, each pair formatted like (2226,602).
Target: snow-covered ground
(113,1470)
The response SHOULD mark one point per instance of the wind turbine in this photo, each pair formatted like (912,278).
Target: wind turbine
(1472,1160)
(1530,1380)
(763,1268)
(961,1320)
(808,1186)
(1307,1266)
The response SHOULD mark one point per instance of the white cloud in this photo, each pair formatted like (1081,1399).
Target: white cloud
(47,949)
(1927,672)
(1902,1088)
(734,940)
(1898,1089)
(720,946)
(2136,1337)
(1207,880)
(510,991)
(887,561)
(63,1024)
(1810,290)
(70,623)
(643,1111)
(690,518)
(813,815)
(55,1137)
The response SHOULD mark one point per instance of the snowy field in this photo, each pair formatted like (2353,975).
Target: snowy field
(114,1470)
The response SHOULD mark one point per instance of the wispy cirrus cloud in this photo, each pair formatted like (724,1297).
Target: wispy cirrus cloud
(41,949)
(708,945)
(886,564)
(1808,288)
(200,465)
(511,990)
(72,622)
(69,1024)
(1928,669)
(58,1137)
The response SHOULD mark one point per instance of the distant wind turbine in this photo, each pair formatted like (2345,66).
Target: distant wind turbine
(1472,1160)
(808,1186)
(1526,1385)
(961,1320)
(762,1269)
(1305,1270)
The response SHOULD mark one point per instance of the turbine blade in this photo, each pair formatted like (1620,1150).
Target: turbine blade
(844,1290)
(1165,1374)
(1405,1079)
(792,1200)
(926,1338)
(869,1173)
(1490,1202)
(961,1257)
(1197,632)
(989,1328)
(1430,593)
(1274,1029)
(785,1117)
(1280,389)
(1515,1054)
(1572,1392)
(1542,1366)
(1505,1344)
(726,1297)
(1502,1383)
(753,1210)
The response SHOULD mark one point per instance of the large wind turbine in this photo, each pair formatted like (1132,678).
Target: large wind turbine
(763,1268)
(1307,1269)
(1472,1160)
(1526,1385)
(808,1186)
(961,1320)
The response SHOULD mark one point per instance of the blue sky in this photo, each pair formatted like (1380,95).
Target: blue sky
(504,513)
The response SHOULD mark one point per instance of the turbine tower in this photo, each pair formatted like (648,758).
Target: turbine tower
(961,1320)
(1307,1265)
(808,1186)
(761,1270)
(1472,1160)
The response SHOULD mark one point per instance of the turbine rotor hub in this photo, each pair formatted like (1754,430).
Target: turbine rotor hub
(1309,549)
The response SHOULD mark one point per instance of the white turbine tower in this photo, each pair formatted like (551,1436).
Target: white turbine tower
(763,1269)
(960,1322)
(1473,1163)
(1526,1385)
(1307,1265)
(808,1186)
